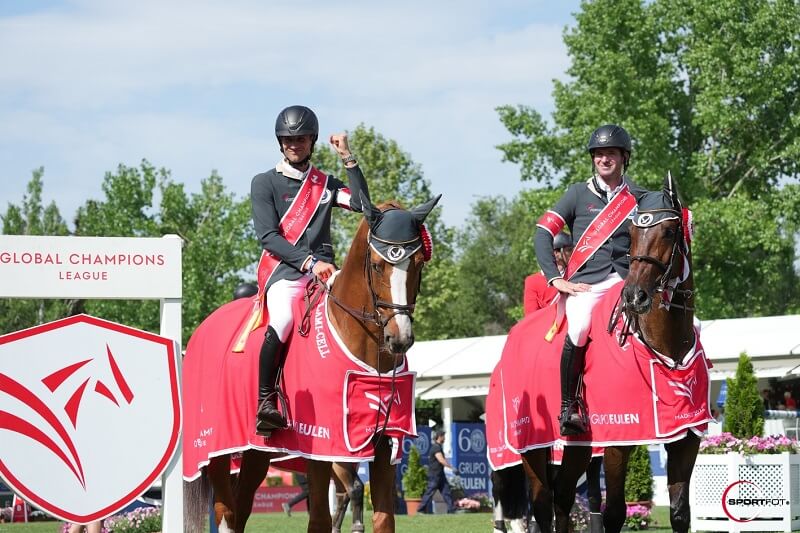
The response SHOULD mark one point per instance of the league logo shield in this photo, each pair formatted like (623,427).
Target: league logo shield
(89,414)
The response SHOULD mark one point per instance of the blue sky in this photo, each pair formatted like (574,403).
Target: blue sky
(194,86)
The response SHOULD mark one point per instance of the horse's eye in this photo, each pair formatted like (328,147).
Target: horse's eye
(669,232)
(377,267)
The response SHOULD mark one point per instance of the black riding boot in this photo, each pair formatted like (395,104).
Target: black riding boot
(572,417)
(269,365)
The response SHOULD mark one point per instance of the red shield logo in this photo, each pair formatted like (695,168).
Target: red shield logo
(89,414)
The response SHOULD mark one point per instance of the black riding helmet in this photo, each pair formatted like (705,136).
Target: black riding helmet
(611,136)
(297,120)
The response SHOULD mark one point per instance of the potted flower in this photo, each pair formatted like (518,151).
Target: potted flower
(415,480)
(637,517)
(743,477)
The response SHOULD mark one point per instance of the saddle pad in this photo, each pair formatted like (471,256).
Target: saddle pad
(631,395)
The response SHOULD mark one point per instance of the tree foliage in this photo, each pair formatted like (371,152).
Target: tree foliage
(415,479)
(744,407)
(639,477)
(709,89)
(496,254)
(215,227)
(32,218)
(744,255)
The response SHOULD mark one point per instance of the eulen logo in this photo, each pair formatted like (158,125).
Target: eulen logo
(89,414)
(747,508)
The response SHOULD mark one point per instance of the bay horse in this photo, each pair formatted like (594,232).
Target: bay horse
(369,307)
(657,306)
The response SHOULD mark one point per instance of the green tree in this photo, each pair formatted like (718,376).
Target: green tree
(219,245)
(708,89)
(32,218)
(747,247)
(393,175)
(496,254)
(744,407)
(639,477)
(415,480)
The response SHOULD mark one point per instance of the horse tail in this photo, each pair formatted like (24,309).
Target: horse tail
(509,487)
(195,503)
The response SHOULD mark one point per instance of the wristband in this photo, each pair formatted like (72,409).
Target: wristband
(348,159)
(313,262)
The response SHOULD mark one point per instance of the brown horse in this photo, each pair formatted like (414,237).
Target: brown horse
(371,306)
(657,306)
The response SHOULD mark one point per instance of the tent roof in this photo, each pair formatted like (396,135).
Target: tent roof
(773,343)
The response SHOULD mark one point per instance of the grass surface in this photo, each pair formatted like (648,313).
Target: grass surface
(278,522)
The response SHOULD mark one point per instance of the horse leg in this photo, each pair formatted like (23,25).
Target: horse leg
(319,479)
(594,494)
(347,474)
(615,461)
(252,472)
(219,474)
(573,465)
(536,465)
(342,500)
(498,489)
(381,478)
(681,456)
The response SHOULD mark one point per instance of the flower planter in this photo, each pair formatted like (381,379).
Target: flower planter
(411,505)
(736,492)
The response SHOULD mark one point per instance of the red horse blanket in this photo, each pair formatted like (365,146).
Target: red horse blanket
(499,454)
(631,395)
(335,403)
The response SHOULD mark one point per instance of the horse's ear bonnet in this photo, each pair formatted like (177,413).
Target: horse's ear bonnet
(397,234)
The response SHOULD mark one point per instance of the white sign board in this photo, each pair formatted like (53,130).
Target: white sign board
(91,414)
(90,267)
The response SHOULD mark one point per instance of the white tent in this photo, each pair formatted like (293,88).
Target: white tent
(461,367)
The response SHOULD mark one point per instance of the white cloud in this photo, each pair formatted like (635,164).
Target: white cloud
(195,86)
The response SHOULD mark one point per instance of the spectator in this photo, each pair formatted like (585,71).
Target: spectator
(768,404)
(302,495)
(436,477)
(789,402)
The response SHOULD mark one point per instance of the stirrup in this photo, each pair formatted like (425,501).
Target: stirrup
(568,425)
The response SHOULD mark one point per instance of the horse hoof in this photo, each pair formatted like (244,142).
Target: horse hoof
(357,528)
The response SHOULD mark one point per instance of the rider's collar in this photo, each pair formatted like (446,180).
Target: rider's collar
(289,171)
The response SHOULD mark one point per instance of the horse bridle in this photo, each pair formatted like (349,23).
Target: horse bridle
(363,317)
(631,323)
(667,268)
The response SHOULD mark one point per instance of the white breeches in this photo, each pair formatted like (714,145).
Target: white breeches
(579,309)
(280,297)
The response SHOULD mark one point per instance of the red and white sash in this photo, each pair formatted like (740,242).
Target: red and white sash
(292,226)
(601,228)
(294,222)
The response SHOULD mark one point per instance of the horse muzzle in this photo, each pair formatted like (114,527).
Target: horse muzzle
(636,299)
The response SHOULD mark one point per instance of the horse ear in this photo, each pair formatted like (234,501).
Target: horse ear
(422,211)
(371,213)
(671,188)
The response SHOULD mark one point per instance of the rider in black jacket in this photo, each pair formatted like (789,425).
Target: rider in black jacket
(272,193)
(610,149)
